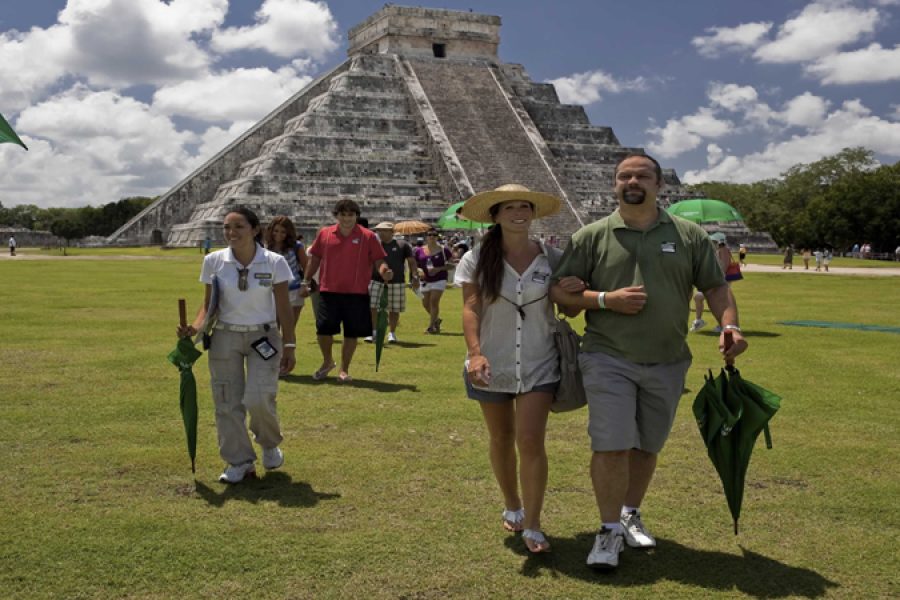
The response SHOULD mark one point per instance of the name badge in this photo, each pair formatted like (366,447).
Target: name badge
(265,283)
(668,247)
(539,277)
(355,240)
(262,275)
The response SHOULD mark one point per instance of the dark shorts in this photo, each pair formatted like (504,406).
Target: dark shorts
(351,310)
(499,397)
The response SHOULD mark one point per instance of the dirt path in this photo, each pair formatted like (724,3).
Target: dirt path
(874,272)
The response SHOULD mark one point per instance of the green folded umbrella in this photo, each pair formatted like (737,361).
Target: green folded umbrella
(184,356)
(731,413)
(8,135)
(381,325)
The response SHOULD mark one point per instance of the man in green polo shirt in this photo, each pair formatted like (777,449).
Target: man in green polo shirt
(640,264)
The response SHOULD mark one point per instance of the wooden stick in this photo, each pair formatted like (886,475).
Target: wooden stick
(729,341)
(182,312)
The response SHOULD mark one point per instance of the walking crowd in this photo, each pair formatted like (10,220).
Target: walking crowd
(633,274)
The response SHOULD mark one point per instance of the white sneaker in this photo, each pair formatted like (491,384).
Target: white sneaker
(697,325)
(605,553)
(369,339)
(237,473)
(392,339)
(636,534)
(272,458)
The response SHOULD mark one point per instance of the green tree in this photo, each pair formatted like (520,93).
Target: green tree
(69,228)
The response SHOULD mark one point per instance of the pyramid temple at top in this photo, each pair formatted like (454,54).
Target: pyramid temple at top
(422,114)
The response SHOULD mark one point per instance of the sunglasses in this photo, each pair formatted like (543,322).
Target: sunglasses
(242,279)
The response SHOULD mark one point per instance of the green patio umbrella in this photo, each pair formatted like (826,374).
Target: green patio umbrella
(8,135)
(705,210)
(731,413)
(381,325)
(184,356)
(451,219)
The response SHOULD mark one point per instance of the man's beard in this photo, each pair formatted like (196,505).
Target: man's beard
(634,196)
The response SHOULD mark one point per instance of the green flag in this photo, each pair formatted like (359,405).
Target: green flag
(8,135)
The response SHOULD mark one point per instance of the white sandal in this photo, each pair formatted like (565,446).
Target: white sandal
(513,519)
(539,541)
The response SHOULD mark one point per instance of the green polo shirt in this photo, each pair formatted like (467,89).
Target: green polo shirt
(669,260)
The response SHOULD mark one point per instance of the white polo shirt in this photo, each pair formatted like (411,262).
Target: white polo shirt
(520,351)
(256,305)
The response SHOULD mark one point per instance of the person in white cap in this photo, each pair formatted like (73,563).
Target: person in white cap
(399,257)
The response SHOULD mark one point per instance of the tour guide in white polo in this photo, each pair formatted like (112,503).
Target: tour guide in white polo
(640,264)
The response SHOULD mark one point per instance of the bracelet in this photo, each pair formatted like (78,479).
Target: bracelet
(601,300)
(305,282)
(732,328)
(289,345)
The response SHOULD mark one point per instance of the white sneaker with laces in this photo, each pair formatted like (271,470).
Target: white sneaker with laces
(369,339)
(237,473)
(392,339)
(272,458)
(604,555)
(697,325)
(636,534)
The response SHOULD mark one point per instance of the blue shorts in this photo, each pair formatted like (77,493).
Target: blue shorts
(500,397)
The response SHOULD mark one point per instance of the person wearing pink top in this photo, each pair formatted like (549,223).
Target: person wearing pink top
(343,255)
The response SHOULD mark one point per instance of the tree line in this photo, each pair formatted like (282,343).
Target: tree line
(74,223)
(838,201)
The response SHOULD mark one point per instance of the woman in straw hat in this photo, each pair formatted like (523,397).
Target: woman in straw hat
(512,366)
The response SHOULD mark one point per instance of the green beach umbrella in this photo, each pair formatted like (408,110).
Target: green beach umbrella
(8,135)
(184,356)
(731,413)
(705,210)
(451,219)
(381,325)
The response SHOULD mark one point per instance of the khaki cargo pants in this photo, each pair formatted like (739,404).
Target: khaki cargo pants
(242,382)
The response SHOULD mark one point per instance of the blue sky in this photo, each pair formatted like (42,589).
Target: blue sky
(125,97)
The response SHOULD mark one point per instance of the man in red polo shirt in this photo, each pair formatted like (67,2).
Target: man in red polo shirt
(346,253)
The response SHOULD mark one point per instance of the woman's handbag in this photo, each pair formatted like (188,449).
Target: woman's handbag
(733,272)
(571,394)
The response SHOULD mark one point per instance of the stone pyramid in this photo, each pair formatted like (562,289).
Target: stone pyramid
(422,114)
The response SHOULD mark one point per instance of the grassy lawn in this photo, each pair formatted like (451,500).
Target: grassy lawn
(386,491)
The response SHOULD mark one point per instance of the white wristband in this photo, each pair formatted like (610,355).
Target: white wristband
(601,300)
(289,345)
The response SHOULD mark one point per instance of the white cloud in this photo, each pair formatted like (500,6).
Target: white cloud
(121,43)
(820,29)
(93,147)
(732,96)
(714,154)
(725,39)
(686,133)
(587,88)
(848,126)
(805,110)
(284,28)
(215,139)
(867,65)
(241,94)
(30,63)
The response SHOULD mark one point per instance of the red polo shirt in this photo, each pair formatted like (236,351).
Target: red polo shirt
(346,266)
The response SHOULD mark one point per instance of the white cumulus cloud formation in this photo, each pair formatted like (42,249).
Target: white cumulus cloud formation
(686,133)
(867,65)
(730,39)
(589,87)
(285,28)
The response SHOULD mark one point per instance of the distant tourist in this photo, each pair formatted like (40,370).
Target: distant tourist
(281,238)
(788,258)
(806,254)
(346,253)
(855,251)
(818,255)
(434,261)
(12,245)
(246,354)
(826,259)
(634,356)
(399,256)
(207,244)
(897,254)
(742,254)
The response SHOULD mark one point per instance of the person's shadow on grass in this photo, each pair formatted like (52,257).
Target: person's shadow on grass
(753,574)
(272,487)
(378,386)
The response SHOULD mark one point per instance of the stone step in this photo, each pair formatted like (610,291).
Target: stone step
(351,123)
(320,167)
(271,186)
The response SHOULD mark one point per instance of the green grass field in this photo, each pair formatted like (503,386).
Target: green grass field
(386,491)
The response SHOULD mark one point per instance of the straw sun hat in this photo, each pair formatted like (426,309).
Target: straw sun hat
(478,207)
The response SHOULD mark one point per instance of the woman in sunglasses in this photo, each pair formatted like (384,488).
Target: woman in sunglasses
(249,288)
